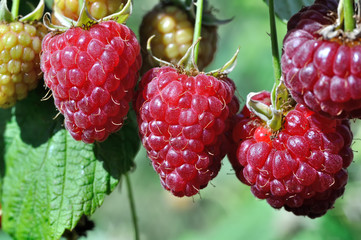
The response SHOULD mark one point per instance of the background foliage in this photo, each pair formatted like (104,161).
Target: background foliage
(226,209)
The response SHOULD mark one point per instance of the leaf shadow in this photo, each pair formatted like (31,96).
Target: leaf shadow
(119,150)
(35,118)
(5,116)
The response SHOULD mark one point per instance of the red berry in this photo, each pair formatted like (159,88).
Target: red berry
(263,134)
(302,167)
(322,74)
(92,74)
(182,121)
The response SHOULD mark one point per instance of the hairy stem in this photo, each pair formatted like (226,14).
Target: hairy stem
(277,95)
(15,8)
(196,34)
(132,207)
(349,15)
(275,52)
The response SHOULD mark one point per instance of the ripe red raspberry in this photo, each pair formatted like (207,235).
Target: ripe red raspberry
(323,74)
(92,73)
(302,167)
(173,29)
(20,47)
(182,120)
(97,8)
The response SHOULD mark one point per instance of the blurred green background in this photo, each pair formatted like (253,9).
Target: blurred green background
(226,209)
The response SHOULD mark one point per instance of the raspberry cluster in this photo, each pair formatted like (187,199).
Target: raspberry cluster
(182,120)
(92,74)
(188,119)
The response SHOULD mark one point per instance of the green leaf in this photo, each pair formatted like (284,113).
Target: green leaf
(285,9)
(5,116)
(49,3)
(51,180)
(123,144)
(36,14)
(5,14)
(38,120)
(27,6)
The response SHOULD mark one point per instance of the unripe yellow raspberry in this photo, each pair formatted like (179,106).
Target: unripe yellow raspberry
(20,46)
(97,8)
(173,30)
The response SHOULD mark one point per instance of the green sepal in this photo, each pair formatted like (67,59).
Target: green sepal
(227,68)
(261,110)
(123,14)
(84,17)
(5,14)
(279,95)
(268,114)
(276,121)
(188,58)
(154,58)
(36,14)
(52,27)
(280,103)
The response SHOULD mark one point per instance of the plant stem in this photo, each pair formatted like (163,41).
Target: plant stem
(348,14)
(132,207)
(197,33)
(15,8)
(279,93)
(275,52)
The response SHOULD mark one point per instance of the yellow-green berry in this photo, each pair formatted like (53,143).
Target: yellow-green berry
(97,8)
(173,30)
(20,46)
